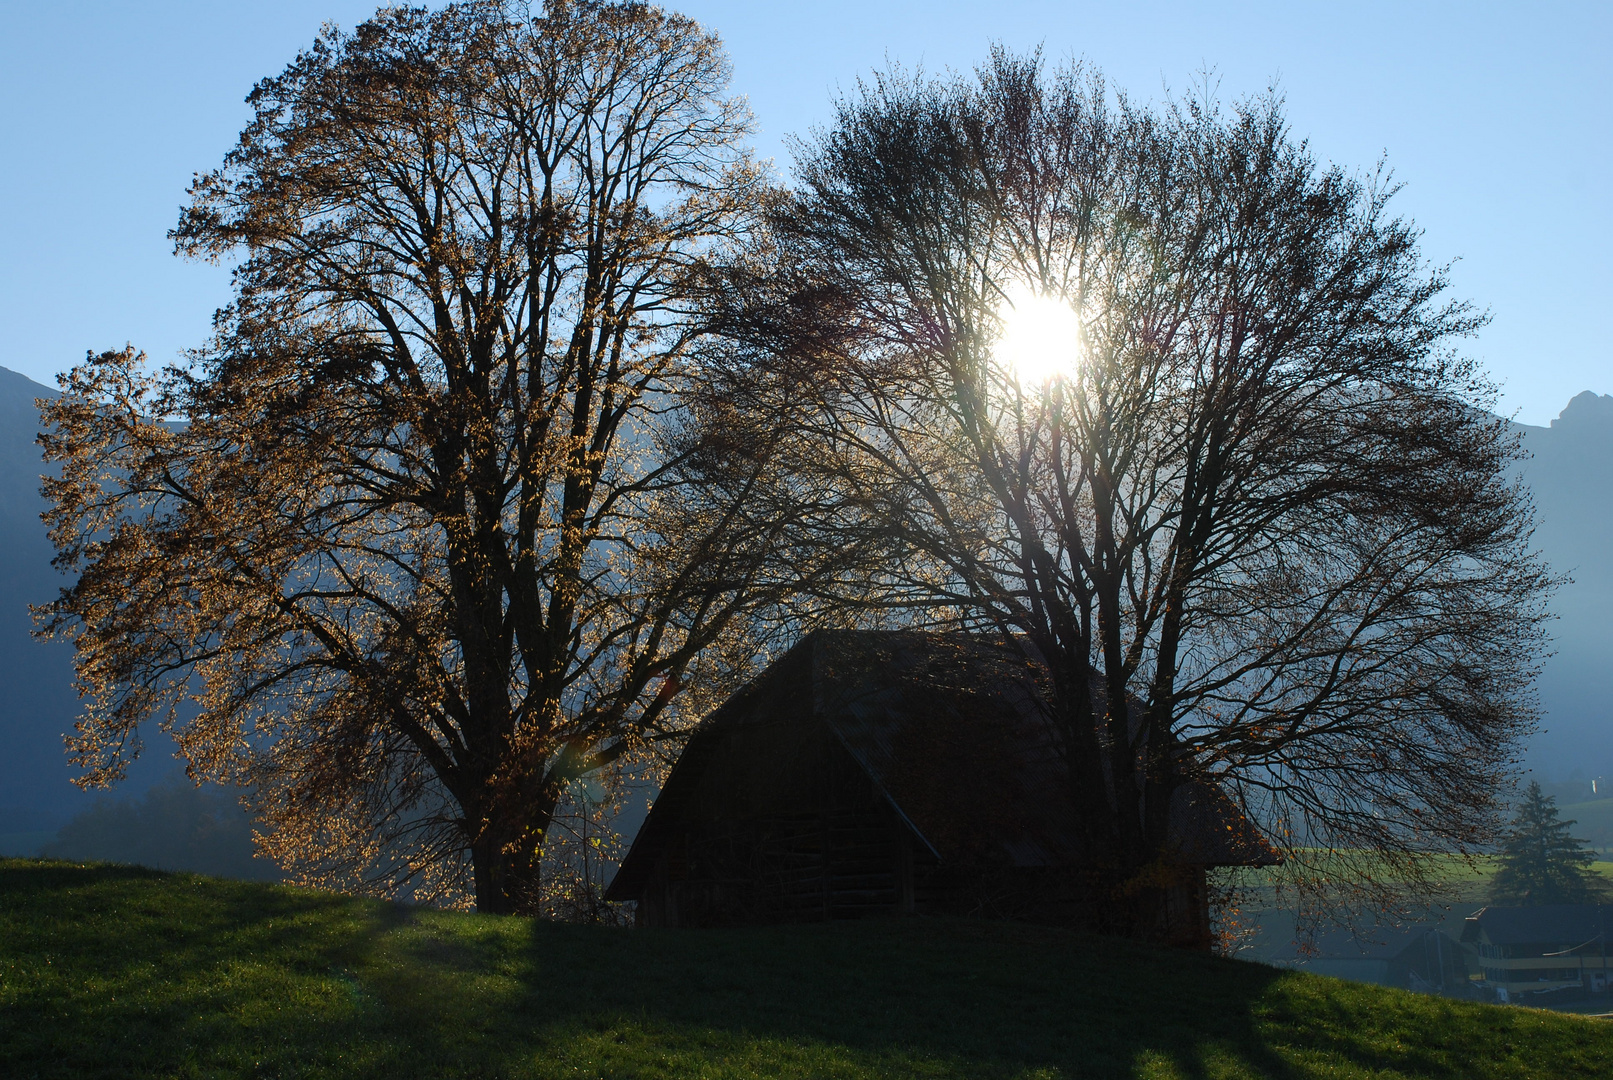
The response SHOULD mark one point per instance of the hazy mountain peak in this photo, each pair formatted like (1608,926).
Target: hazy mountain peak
(16,383)
(1586,410)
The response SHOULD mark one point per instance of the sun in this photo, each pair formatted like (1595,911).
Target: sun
(1040,341)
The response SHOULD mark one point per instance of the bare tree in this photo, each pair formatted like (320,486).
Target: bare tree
(1252,517)
(415,531)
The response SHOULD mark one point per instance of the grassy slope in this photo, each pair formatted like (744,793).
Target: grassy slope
(1471,889)
(114,971)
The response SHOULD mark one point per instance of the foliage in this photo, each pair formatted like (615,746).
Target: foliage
(173,826)
(1263,533)
(1541,862)
(116,972)
(415,530)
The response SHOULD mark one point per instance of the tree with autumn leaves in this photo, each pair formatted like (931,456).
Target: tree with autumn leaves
(411,545)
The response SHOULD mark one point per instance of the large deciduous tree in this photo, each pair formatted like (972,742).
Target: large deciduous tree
(408,547)
(1250,513)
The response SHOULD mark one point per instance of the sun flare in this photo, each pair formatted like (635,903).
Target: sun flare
(1041,337)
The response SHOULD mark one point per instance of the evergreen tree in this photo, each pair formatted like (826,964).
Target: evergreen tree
(1541,863)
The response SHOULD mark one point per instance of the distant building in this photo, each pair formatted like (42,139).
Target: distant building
(1535,950)
(882,773)
(1412,958)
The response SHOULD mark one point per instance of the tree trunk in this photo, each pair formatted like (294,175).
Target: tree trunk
(506,859)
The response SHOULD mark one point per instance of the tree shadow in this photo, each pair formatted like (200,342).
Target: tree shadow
(117,971)
(920,998)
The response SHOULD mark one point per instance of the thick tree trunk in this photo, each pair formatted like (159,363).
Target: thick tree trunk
(506,860)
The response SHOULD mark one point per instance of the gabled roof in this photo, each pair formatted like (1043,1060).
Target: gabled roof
(951,729)
(1566,926)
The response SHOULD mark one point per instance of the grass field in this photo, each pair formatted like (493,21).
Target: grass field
(1273,937)
(118,972)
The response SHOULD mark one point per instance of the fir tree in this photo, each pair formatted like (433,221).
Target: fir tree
(1541,863)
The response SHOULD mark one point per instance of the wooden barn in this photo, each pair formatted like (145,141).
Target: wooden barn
(870,773)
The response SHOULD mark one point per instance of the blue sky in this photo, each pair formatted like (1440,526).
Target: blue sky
(1496,117)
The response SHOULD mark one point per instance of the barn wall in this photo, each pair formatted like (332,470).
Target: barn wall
(786,828)
(784,825)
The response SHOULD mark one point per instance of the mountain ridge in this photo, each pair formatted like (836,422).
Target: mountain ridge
(1570,474)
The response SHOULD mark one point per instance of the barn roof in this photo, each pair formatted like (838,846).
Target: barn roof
(1563,925)
(951,730)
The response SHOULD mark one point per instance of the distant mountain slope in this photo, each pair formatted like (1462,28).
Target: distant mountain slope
(36,678)
(1571,475)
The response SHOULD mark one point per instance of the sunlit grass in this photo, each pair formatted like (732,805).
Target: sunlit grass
(1468,881)
(112,971)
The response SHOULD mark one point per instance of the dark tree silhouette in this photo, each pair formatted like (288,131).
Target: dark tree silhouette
(1252,495)
(1541,862)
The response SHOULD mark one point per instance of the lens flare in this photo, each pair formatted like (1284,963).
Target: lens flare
(1040,341)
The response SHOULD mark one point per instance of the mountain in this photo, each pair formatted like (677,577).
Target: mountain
(36,678)
(1570,473)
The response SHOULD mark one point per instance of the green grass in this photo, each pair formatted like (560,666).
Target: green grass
(115,971)
(1270,915)
(1476,883)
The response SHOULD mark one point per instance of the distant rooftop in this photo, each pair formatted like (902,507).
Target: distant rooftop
(1565,925)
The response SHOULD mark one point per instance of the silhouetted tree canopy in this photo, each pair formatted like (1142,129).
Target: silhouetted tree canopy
(1261,530)
(533,396)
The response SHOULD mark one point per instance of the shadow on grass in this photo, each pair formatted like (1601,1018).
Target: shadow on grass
(116,971)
